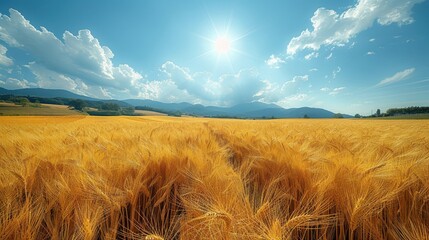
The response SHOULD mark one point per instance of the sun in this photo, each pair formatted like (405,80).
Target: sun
(222,45)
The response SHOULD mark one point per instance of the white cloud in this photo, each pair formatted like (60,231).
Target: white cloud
(335,91)
(314,70)
(311,55)
(298,97)
(332,28)
(372,39)
(370,53)
(293,100)
(46,78)
(329,56)
(166,91)
(227,89)
(299,78)
(275,92)
(399,76)
(4,60)
(274,61)
(332,92)
(13,83)
(76,58)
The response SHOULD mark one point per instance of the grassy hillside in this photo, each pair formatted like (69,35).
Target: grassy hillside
(190,178)
(10,109)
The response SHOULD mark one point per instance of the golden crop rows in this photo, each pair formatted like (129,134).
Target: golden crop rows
(80,177)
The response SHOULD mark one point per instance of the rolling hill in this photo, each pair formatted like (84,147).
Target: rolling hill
(45,93)
(56,93)
(244,110)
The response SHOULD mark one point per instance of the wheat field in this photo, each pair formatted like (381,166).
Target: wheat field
(78,177)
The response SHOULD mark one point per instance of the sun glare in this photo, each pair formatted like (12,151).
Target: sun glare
(222,45)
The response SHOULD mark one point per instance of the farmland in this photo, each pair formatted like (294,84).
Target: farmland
(10,109)
(158,177)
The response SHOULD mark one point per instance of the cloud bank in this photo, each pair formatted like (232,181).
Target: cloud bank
(227,89)
(75,62)
(332,28)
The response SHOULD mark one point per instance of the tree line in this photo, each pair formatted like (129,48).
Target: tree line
(407,110)
(398,111)
(99,108)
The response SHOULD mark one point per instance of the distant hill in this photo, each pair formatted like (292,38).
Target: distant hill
(45,93)
(244,110)
(158,105)
(57,93)
(290,113)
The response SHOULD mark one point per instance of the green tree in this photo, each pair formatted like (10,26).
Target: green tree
(338,115)
(378,113)
(127,111)
(110,107)
(23,101)
(357,115)
(77,104)
(37,104)
(306,116)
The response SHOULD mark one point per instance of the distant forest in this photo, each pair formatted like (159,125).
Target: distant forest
(408,110)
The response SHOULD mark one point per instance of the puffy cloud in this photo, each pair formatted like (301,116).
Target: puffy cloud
(46,78)
(13,83)
(399,76)
(292,100)
(274,61)
(74,57)
(332,28)
(241,87)
(4,60)
(227,89)
(182,78)
(370,53)
(166,91)
(274,92)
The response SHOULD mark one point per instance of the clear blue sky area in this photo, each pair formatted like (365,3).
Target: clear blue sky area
(344,56)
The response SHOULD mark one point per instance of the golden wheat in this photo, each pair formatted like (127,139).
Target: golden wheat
(83,177)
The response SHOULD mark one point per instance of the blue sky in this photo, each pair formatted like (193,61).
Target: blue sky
(344,56)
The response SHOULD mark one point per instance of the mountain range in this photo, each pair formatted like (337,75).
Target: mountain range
(244,110)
